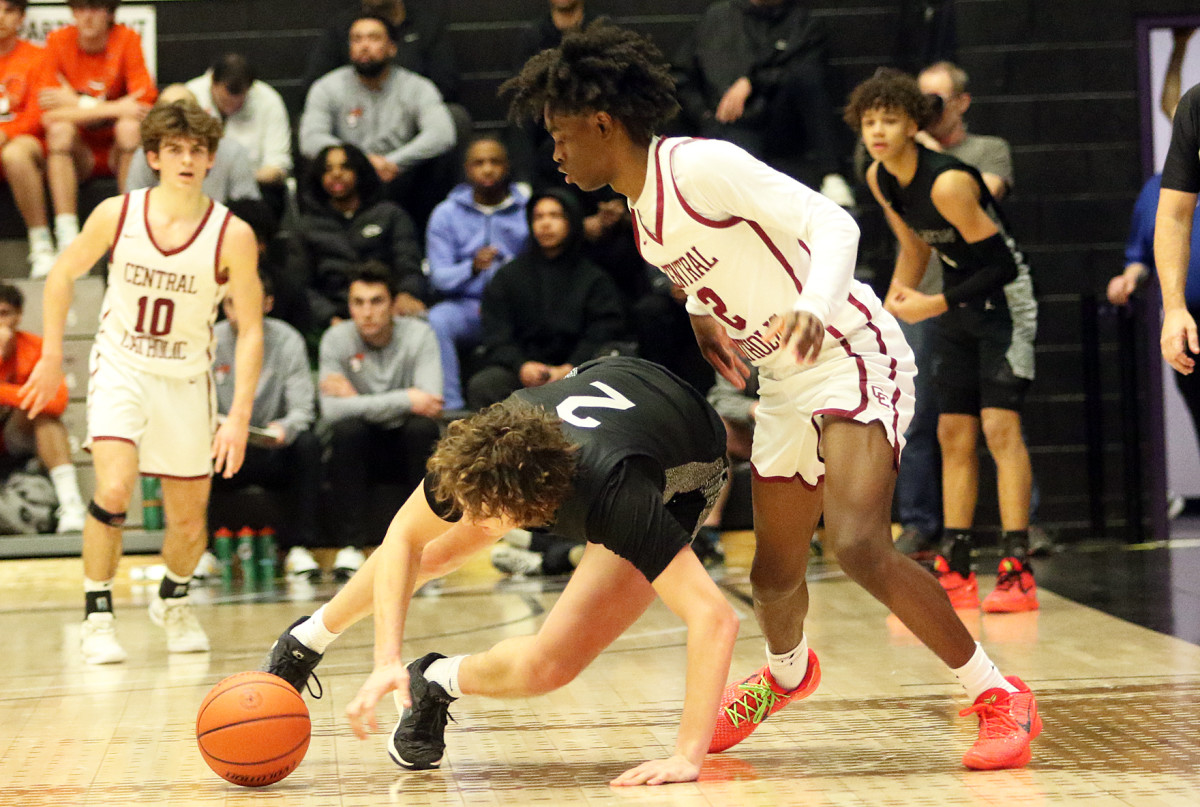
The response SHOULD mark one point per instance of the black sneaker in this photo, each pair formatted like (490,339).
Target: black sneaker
(419,741)
(707,546)
(916,544)
(293,661)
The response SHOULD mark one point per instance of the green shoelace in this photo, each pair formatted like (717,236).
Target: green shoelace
(762,693)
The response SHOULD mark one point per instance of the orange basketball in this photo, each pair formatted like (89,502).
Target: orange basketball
(253,729)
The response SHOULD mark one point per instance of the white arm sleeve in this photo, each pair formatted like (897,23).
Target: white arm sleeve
(720,180)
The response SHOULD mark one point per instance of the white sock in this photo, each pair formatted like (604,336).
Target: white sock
(444,672)
(313,634)
(66,485)
(39,238)
(66,227)
(979,675)
(96,585)
(788,669)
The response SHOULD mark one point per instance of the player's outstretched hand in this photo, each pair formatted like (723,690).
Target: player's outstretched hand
(41,387)
(383,679)
(800,333)
(718,350)
(660,772)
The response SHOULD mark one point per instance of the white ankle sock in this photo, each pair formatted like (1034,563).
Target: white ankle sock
(66,227)
(979,675)
(66,485)
(788,669)
(313,634)
(39,238)
(444,672)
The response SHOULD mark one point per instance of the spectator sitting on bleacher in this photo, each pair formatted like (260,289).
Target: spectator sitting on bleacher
(346,221)
(252,112)
(44,435)
(381,394)
(22,147)
(230,177)
(548,310)
(287,460)
(421,43)
(397,117)
(93,117)
(478,228)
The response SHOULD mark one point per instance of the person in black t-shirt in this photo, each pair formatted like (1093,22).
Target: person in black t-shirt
(987,322)
(621,454)
(1173,233)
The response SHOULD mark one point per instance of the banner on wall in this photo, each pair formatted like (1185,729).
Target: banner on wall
(41,19)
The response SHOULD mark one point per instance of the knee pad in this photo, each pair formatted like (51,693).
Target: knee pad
(104,517)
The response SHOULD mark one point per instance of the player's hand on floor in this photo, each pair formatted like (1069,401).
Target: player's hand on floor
(384,679)
(660,772)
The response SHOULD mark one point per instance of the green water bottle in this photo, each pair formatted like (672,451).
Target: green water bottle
(245,553)
(266,555)
(152,510)
(223,549)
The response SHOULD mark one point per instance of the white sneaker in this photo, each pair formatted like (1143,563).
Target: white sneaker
(208,567)
(98,640)
(184,632)
(516,561)
(41,261)
(835,189)
(348,561)
(301,563)
(71,517)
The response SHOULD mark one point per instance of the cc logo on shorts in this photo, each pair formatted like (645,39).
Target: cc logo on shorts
(881,396)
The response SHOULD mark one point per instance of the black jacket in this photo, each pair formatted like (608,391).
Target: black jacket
(553,310)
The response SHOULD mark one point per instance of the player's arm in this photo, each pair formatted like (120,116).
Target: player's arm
(712,627)
(956,196)
(1172,252)
(400,565)
(912,256)
(239,258)
(92,243)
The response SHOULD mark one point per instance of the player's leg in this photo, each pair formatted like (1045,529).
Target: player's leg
(605,595)
(115,463)
(25,169)
(1005,442)
(185,509)
(859,478)
(958,435)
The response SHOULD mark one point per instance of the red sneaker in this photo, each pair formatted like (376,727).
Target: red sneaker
(1008,721)
(749,702)
(963,591)
(1015,589)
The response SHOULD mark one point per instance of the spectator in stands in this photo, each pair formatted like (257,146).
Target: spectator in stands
(279,259)
(287,460)
(345,221)
(397,117)
(754,73)
(93,116)
(44,435)
(532,148)
(231,175)
(254,115)
(23,69)
(479,227)
(421,42)
(738,409)
(381,394)
(548,310)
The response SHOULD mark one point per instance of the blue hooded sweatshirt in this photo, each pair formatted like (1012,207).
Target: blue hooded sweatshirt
(459,227)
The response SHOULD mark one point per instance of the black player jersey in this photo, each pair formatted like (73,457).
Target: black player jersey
(1181,171)
(915,205)
(645,437)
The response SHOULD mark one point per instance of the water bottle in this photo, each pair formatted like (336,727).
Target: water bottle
(223,549)
(245,553)
(152,510)
(266,555)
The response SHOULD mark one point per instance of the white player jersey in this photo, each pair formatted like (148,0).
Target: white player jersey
(160,306)
(747,242)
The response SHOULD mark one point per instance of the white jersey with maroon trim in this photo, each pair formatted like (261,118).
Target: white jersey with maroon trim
(160,306)
(747,242)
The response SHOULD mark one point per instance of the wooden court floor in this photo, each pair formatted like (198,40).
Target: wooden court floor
(1120,703)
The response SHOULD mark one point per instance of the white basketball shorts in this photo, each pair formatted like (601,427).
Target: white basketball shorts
(171,421)
(865,376)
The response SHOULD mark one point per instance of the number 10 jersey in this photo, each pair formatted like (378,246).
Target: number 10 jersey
(160,306)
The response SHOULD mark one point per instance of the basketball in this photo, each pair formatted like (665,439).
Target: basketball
(253,729)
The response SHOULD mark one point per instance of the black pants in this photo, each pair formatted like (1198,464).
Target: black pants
(491,385)
(362,454)
(293,473)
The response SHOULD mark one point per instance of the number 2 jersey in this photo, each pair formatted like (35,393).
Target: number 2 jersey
(160,306)
(747,243)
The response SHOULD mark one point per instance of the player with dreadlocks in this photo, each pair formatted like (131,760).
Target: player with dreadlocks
(768,267)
